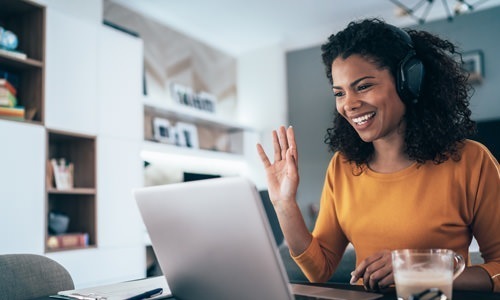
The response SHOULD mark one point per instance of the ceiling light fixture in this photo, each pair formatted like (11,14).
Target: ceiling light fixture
(421,9)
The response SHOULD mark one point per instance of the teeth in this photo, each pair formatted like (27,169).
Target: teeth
(363,119)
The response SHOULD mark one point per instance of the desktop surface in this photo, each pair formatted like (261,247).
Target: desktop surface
(389,293)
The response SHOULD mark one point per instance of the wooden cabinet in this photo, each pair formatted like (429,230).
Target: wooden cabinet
(85,94)
(78,202)
(27,20)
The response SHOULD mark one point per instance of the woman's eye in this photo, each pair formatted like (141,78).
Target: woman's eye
(338,94)
(364,87)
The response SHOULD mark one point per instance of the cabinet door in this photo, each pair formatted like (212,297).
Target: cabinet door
(95,267)
(119,170)
(22,178)
(71,73)
(120,84)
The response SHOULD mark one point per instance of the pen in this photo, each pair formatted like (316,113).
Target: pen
(147,294)
(85,297)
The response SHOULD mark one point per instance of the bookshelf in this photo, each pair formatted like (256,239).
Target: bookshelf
(78,202)
(27,20)
(215,136)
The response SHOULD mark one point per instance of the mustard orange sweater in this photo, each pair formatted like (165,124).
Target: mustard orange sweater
(423,206)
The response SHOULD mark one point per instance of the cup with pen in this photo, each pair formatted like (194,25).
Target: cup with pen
(425,273)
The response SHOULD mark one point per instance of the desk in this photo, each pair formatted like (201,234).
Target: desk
(389,294)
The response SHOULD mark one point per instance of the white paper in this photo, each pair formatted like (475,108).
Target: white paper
(123,290)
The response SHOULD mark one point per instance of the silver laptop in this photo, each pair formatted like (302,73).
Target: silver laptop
(213,241)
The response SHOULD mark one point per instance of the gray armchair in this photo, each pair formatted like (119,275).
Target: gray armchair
(25,276)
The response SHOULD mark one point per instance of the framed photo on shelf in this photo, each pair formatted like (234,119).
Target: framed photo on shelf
(207,101)
(181,94)
(187,134)
(472,63)
(185,96)
(163,131)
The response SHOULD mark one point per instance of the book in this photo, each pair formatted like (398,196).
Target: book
(68,240)
(13,53)
(63,174)
(4,83)
(12,112)
(7,98)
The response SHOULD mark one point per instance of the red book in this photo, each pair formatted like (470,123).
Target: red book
(6,84)
(68,240)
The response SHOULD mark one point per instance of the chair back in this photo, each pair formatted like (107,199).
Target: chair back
(26,276)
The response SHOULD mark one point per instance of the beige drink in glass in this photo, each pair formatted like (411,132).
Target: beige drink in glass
(416,271)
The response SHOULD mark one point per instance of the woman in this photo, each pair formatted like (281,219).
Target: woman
(403,174)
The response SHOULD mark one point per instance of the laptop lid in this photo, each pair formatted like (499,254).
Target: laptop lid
(213,241)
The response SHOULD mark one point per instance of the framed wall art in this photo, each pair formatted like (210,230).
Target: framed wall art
(473,64)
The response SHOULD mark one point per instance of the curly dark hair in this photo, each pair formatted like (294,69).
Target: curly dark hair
(438,123)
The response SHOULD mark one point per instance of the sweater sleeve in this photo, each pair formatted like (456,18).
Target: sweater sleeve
(321,258)
(486,224)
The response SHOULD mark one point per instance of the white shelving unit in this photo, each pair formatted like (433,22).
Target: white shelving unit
(228,158)
(219,138)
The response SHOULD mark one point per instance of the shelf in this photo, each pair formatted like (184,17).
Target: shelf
(19,63)
(78,203)
(176,159)
(192,115)
(161,148)
(206,132)
(71,248)
(74,191)
(26,19)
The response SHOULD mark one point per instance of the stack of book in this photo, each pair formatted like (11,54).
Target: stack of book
(9,107)
(68,240)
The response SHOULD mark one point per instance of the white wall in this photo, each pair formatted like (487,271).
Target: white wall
(262,99)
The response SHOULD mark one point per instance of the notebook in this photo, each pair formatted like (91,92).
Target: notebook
(120,291)
(213,241)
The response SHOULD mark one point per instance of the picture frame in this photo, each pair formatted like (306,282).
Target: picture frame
(207,102)
(181,94)
(187,135)
(473,64)
(163,131)
(185,96)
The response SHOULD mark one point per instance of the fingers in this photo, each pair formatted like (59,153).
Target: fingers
(375,270)
(291,143)
(263,156)
(377,275)
(283,143)
(277,147)
(283,139)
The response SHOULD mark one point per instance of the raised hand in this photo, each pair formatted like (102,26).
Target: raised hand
(282,174)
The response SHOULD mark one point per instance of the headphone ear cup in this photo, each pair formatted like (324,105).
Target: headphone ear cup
(409,78)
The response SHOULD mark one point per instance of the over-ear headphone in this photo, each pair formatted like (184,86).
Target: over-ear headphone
(410,72)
